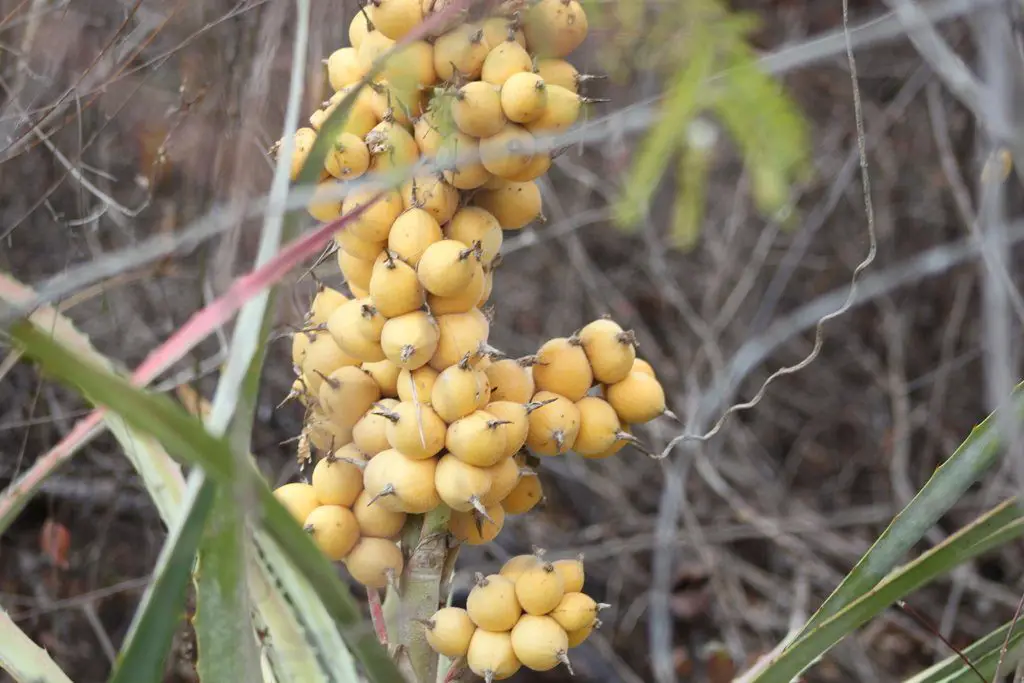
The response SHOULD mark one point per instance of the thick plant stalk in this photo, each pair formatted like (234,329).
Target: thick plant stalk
(424,587)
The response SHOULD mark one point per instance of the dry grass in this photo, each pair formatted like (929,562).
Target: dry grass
(151,113)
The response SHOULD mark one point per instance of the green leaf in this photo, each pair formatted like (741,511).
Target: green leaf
(680,105)
(983,653)
(941,492)
(184,437)
(159,473)
(25,661)
(224,633)
(313,632)
(1000,526)
(160,612)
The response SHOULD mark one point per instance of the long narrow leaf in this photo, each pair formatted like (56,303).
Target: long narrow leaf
(160,475)
(25,661)
(945,487)
(998,527)
(159,614)
(975,652)
(184,438)
(335,660)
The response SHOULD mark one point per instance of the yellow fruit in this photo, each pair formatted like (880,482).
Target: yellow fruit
(459,156)
(428,133)
(523,97)
(487,288)
(539,588)
(397,101)
(432,194)
(538,166)
(369,434)
(418,385)
(459,334)
(638,398)
(357,316)
(338,478)
(473,529)
(507,152)
(524,497)
(513,204)
(476,109)
(561,110)
(512,379)
(515,566)
(334,530)
(324,303)
(394,288)
(411,68)
(415,429)
(599,429)
(517,427)
(540,643)
(325,204)
(446,267)
(496,31)
(460,486)
(362,23)
(576,638)
(356,247)
(322,358)
(449,631)
(491,656)
(346,394)
(470,225)
(640,365)
(376,521)
(373,560)
(456,391)
(300,342)
(373,46)
(477,439)
(400,483)
(298,499)
(463,301)
(360,119)
(411,234)
(391,147)
(344,68)
(504,478)
(576,611)
(460,51)
(559,72)
(553,426)
(411,340)
(348,159)
(562,367)
(373,224)
(572,573)
(491,603)
(395,18)
(555,27)
(504,60)
(385,374)
(325,434)
(610,349)
(303,142)
(356,270)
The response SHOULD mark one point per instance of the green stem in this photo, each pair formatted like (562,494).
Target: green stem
(427,567)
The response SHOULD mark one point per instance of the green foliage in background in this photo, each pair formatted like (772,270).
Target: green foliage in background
(712,81)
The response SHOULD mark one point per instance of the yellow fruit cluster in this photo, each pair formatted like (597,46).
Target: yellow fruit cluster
(406,401)
(529,614)
(592,388)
